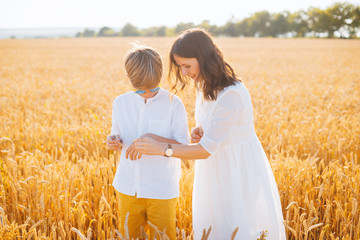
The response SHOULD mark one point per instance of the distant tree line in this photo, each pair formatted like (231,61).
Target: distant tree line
(339,20)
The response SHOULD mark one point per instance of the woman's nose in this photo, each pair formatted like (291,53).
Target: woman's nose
(183,72)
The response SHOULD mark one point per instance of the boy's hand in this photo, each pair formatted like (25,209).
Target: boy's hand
(114,142)
(196,134)
(132,152)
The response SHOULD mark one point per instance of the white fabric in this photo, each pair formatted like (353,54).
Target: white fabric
(235,186)
(150,176)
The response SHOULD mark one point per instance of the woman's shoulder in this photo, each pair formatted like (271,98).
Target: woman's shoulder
(237,88)
(236,96)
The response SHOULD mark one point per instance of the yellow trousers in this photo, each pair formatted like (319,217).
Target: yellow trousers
(159,212)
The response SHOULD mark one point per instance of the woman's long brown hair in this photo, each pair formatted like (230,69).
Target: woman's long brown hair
(216,73)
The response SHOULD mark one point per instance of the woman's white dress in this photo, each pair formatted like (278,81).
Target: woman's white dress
(235,186)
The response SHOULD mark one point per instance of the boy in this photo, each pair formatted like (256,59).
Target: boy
(148,187)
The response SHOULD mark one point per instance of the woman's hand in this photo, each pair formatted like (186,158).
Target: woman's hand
(196,134)
(114,142)
(132,152)
(149,146)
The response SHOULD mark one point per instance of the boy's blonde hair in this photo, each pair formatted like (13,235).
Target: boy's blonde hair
(144,67)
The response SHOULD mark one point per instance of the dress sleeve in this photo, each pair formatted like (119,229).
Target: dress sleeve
(179,125)
(224,118)
(114,122)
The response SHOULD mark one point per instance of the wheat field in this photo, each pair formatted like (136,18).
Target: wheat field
(55,113)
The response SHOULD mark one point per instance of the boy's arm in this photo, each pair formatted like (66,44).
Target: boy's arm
(114,141)
(179,125)
(160,139)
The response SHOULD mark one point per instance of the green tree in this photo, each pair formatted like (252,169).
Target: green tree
(170,32)
(298,23)
(230,29)
(338,14)
(79,34)
(259,24)
(279,24)
(150,32)
(129,30)
(318,21)
(243,27)
(205,25)
(355,21)
(183,26)
(106,32)
(154,31)
(88,33)
(213,29)
(161,31)
(340,19)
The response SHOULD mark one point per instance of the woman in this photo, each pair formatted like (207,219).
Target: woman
(234,186)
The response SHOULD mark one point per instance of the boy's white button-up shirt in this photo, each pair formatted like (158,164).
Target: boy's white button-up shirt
(150,176)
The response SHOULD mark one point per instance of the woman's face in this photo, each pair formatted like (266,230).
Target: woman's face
(189,67)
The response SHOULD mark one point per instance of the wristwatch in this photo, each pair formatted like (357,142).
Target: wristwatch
(168,150)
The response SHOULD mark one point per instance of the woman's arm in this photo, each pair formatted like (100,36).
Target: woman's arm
(150,146)
(160,139)
(133,154)
(190,151)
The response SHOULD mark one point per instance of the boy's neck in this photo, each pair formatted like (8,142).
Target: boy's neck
(145,98)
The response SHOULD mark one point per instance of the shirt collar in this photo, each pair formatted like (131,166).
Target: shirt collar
(140,98)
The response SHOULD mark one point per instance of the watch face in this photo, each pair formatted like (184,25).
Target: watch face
(169,152)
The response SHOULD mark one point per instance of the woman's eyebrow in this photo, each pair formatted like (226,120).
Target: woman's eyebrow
(181,64)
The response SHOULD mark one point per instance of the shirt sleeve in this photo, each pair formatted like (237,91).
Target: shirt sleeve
(179,125)
(114,120)
(224,118)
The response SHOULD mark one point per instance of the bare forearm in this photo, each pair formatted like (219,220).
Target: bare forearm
(191,151)
(150,146)
(161,139)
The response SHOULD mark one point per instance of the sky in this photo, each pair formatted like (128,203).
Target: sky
(141,13)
